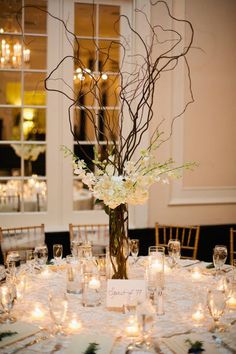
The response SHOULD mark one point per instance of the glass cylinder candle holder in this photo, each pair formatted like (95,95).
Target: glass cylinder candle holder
(74,278)
(91,291)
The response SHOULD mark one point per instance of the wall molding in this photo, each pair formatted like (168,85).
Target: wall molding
(180,195)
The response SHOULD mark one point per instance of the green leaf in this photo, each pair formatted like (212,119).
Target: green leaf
(6,334)
(92,348)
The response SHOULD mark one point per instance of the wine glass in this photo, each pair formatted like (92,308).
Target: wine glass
(7,300)
(58,305)
(219,257)
(134,249)
(216,302)
(174,250)
(57,252)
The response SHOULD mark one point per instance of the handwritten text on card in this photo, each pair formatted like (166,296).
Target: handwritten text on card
(125,292)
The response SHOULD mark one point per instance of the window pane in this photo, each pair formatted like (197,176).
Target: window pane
(109,56)
(84,91)
(8,12)
(10,196)
(34,158)
(35,20)
(85,19)
(10,88)
(9,161)
(83,127)
(34,195)
(86,153)
(109,21)
(11,51)
(34,91)
(109,123)
(86,54)
(110,91)
(82,197)
(10,122)
(36,58)
(34,124)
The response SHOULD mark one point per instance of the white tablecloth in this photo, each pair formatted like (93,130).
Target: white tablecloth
(181,294)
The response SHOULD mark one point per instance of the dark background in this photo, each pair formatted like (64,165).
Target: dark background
(210,235)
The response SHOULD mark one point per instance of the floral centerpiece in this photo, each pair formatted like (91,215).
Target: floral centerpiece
(122,171)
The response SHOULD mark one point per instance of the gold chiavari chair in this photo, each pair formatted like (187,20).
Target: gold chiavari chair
(97,234)
(187,235)
(232,248)
(21,238)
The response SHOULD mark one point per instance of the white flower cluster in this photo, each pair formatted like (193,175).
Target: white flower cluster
(132,187)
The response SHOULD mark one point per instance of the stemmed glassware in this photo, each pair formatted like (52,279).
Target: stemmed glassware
(174,251)
(134,249)
(216,302)
(219,257)
(57,252)
(7,300)
(58,305)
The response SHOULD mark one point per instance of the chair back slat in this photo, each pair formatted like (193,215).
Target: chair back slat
(188,236)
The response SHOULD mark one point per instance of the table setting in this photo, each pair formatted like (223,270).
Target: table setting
(70,305)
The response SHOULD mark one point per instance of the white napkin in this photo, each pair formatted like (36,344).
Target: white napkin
(79,343)
(23,330)
(178,345)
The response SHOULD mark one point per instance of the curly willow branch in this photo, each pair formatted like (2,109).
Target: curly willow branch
(135,91)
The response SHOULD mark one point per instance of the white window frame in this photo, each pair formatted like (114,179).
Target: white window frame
(59,172)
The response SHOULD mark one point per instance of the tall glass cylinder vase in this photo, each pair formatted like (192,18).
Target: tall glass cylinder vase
(119,246)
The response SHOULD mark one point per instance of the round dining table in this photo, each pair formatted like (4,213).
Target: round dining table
(185,315)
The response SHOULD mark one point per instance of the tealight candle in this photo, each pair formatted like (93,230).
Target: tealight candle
(75,324)
(198,315)
(196,274)
(45,274)
(132,329)
(37,313)
(94,284)
(157,266)
(231,302)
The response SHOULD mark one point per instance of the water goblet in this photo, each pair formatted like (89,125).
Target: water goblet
(58,305)
(134,249)
(57,252)
(7,300)
(174,250)
(216,302)
(219,257)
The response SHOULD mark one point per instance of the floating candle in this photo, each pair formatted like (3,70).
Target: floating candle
(196,274)
(132,329)
(75,324)
(94,284)
(231,302)
(37,313)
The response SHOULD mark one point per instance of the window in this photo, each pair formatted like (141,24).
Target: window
(23,186)
(34,119)
(97,30)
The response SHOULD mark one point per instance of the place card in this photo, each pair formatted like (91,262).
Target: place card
(122,292)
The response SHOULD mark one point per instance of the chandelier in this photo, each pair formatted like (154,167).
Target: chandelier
(13,54)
